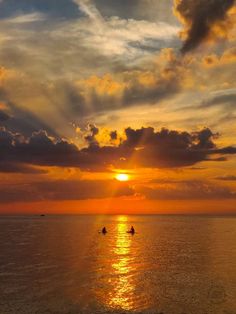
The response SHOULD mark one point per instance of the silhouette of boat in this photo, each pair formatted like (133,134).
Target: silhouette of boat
(104,230)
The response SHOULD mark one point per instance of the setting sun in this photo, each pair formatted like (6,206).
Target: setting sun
(122,177)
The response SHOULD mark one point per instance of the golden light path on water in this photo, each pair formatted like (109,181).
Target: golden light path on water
(121,296)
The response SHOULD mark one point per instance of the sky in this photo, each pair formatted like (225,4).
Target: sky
(90,89)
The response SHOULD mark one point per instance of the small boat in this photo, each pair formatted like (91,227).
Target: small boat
(104,231)
(42,215)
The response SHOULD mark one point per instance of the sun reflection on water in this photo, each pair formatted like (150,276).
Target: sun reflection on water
(121,296)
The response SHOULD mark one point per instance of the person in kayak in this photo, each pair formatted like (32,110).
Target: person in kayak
(132,230)
(104,230)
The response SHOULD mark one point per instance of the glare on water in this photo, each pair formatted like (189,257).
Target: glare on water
(121,296)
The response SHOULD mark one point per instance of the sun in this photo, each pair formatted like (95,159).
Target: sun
(122,177)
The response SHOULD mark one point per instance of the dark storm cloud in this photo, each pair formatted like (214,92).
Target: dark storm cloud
(169,148)
(57,8)
(63,190)
(229,150)
(187,190)
(199,17)
(143,147)
(39,149)
(205,139)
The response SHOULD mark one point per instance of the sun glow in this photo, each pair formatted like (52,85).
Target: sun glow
(122,177)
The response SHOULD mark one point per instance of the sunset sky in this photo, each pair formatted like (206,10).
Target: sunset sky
(92,89)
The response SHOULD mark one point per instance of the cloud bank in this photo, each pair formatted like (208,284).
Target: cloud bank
(140,148)
(71,190)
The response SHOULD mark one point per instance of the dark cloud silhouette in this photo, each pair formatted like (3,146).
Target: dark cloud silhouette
(91,138)
(205,139)
(63,190)
(143,147)
(199,17)
(169,148)
(229,150)
(39,149)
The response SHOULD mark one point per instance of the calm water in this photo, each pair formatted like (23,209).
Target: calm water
(173,265)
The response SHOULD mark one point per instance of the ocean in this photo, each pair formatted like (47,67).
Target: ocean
(171,265)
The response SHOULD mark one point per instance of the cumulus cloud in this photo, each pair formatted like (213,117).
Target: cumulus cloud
(200,17)
(141,148)
(39,149)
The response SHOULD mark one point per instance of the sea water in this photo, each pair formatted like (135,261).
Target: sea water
(171,265)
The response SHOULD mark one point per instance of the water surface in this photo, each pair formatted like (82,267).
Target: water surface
(172,265)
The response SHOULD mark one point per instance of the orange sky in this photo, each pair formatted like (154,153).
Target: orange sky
(109,88)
